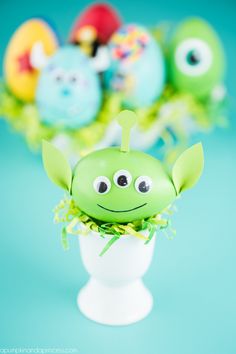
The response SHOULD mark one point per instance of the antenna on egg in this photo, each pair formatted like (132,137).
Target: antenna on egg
(126,119)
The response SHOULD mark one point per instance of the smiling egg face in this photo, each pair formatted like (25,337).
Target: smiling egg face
(115,186)
(137,66)
(68,93)
(196,58)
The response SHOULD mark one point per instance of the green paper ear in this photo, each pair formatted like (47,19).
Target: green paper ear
(127,120)
(56,166)
(188,168)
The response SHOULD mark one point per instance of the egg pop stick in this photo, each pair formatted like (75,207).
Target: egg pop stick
(126,119)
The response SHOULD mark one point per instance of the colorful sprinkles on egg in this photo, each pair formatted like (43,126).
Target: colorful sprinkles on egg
(129,43)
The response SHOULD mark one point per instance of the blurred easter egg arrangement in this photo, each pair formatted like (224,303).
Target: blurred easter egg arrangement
(53,90)
(20,74)
(175,100)
(172,76)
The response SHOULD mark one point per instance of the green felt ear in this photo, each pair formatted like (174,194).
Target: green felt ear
(56,166)
(188,168)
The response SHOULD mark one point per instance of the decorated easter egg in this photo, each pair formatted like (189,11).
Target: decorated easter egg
(137,66)
(68,93)
(20,73)
(94,27)
(120,185)
(196,58)
(121,189)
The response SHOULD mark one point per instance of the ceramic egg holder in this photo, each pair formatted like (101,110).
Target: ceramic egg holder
(115,293)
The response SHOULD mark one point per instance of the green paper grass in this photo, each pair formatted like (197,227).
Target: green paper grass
(171,111)
(24,118)
(76,222)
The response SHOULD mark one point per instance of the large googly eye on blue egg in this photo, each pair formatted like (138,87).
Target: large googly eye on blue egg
(69,92)
(137,68)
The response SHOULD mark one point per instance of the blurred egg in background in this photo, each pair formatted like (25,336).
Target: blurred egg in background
(196,58)
(20,74)
(137,69)
(94,27)
(68,93)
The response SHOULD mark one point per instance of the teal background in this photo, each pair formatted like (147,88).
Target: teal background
(192,277)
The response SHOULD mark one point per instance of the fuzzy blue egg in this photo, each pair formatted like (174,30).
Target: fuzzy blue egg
(68,94)
(137,67)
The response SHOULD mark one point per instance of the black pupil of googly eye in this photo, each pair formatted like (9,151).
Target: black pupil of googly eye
(120,76)
(122,181)
(193,57)
(102,187)
(73,79)
(58,78)
(143,187)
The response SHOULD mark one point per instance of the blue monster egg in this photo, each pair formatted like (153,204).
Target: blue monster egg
(68,93)
(137,67)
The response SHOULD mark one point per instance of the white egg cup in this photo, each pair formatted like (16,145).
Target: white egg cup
(115,294)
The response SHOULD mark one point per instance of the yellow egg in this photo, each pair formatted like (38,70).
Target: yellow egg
(21,77)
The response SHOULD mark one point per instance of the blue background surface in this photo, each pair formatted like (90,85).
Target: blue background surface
(192,277)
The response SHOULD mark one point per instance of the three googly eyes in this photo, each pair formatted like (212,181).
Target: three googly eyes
(122,179)
(193,57)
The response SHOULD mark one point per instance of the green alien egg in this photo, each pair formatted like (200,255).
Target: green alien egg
(196,58)
(118,185)
(120,188)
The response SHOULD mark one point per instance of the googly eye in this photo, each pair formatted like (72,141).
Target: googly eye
(122,178)
(74,78)
(193,57)
(102,185)
(58,75)
(143,184)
